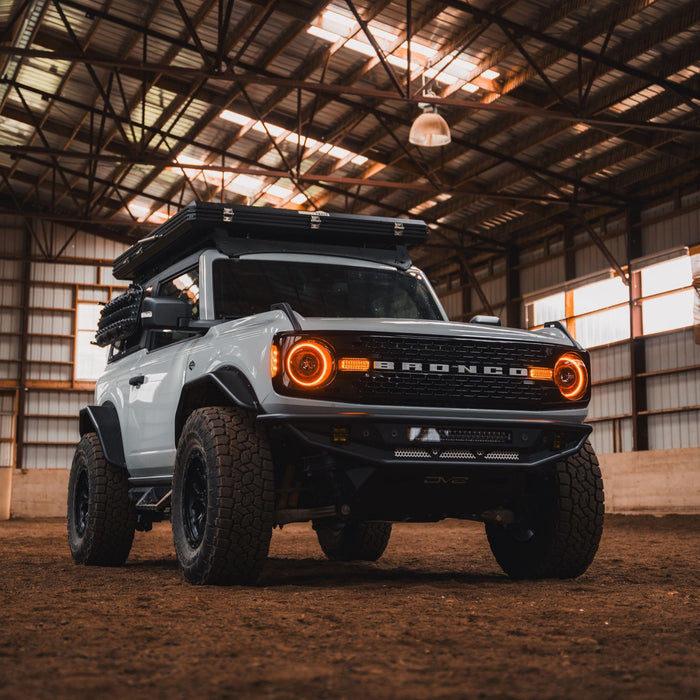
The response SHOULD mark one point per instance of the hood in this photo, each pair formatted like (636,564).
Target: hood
(439,328)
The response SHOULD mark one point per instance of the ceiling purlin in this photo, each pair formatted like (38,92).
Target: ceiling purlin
(645,40)
(271,139)
(192,31)
(574,48)
(254,20)
(160,161)
(645,111)
(547,18)
(587,32)
(306,117)
(633,181)
(295,28)
(65,78)
(83,137)
(91,72)
(514,229)
(538,219)
(266,77)
(56,164)
(377,49)
(460,41)
(14,35)
(177,107)
(101,143)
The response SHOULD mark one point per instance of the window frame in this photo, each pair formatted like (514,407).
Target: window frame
(635,303)
(77,342)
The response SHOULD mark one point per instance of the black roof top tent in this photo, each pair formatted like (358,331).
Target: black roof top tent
(236,230)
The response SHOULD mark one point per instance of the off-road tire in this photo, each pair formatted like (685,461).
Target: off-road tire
(560,538)
(223,498)
(101,518)
(356,540)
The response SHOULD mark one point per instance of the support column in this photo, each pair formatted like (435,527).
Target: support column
(513,300)
(23,356)
(640,428)
(5,492)
(569,256)
(466,295)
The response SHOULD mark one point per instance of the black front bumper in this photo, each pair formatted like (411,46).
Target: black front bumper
(396,441)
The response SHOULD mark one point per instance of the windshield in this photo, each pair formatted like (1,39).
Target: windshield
(244,287)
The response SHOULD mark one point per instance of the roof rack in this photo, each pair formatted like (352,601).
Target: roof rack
(201,223)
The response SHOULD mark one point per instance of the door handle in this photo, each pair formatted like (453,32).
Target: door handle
(138,380)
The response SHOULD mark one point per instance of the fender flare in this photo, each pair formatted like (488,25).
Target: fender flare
(104,421)
(225,386)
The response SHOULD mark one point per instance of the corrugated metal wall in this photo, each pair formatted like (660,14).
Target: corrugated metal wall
(47,299)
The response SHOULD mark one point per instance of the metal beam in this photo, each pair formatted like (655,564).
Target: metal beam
(377,49)
(524,30)
(140,70)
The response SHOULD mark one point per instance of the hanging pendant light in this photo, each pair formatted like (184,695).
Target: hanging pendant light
(429,128)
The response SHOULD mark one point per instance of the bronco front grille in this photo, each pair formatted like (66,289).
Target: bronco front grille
(414,370)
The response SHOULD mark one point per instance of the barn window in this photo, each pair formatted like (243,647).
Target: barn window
(668,296)
(90,360)
(597,313)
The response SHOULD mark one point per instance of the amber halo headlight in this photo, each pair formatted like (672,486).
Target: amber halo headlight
(571,376)
(309,364)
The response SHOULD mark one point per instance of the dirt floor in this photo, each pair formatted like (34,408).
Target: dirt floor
(434,618)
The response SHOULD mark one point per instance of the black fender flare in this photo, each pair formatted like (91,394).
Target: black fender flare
(104,421)
(225,386)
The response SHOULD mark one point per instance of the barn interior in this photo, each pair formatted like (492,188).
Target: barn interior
(566,187)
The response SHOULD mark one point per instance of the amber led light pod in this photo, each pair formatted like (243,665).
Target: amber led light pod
(539,373)
(353,364)
(274,360)
(571,376)
(309,364)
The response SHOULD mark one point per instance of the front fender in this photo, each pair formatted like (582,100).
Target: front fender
(104,421)
(225,386)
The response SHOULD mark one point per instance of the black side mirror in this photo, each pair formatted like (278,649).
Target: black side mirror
(165,312)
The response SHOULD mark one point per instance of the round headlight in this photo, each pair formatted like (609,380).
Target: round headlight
(309,364)
(571,376)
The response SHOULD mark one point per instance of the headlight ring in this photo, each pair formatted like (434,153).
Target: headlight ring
(309,364)
(571,376)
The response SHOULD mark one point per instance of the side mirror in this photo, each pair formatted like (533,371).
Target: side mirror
(164,312)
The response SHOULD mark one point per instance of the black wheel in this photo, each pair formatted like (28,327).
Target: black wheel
(355,540)
(101,518)
(223,498)
(559,537)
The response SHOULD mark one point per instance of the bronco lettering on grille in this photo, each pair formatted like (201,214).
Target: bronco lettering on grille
(449,369)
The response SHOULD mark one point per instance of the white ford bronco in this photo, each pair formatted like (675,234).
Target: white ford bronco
(273,366)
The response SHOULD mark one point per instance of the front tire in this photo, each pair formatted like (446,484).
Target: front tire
(101,518)
(560,537)
(223,498)
(356,540)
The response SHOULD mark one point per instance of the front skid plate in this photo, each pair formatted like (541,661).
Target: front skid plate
(402,441)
